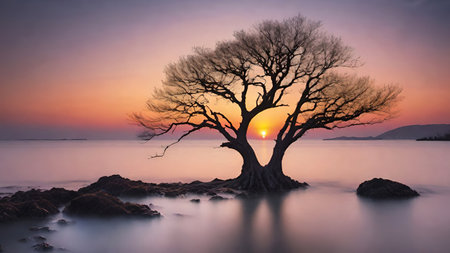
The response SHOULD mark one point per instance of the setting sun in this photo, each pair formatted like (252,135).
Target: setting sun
(263,134)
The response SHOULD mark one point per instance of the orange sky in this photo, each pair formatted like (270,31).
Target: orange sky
(83,66)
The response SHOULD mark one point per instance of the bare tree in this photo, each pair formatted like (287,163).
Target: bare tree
(291,65)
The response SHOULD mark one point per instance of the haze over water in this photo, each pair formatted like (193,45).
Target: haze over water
(326,217)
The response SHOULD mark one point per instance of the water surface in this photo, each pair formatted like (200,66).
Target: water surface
(327,217)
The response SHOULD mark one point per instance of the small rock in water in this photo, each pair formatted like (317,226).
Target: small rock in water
(217,197)
(43,247)
(43,229)
(39,238)
(195,200)
(62,222)
(379,188)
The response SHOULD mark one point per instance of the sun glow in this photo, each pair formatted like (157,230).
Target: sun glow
(263,134)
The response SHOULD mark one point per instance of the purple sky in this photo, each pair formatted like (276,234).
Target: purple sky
(76,69)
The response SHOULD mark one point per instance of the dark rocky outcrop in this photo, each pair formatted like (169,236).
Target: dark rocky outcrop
(119,186)
(33,203)
(104,204)
(379,188)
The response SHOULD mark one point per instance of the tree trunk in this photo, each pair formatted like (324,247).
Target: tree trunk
(269,178)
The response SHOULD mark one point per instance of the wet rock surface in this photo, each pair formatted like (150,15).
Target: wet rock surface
(379,188)
(104,204)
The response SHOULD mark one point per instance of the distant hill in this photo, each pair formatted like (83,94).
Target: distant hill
(411,132)
(352,138)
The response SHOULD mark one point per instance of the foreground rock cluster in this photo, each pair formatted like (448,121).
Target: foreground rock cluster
(100,198)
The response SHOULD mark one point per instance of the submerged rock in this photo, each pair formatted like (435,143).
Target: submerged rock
(379,188)
(63,222)
(104,204)
(43,247)
(217,197)
(195,200)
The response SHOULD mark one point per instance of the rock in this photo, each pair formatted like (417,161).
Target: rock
(41,229)
(379,188)
(217,197)
(104,204)
(39,238)
(211,193)
(43,247)
(33,203)
(119,186)
(23,239)
(195,200)
(63,222)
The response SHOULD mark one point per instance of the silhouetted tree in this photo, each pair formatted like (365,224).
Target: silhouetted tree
(290,64)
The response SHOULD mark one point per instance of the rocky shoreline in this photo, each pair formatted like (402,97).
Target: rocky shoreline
(101,198)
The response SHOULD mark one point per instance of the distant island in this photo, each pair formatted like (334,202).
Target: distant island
(436,138)
(432,132)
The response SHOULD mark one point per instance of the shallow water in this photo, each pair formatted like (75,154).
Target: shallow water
(327,217)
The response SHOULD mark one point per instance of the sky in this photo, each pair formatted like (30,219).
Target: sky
(79,68)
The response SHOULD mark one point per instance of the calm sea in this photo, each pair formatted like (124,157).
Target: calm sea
(327,217)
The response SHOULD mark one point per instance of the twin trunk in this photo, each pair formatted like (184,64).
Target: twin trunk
(269,178)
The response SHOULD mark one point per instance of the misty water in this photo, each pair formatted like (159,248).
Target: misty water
(326,217)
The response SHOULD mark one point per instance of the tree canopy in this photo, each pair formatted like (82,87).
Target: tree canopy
(291,63)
